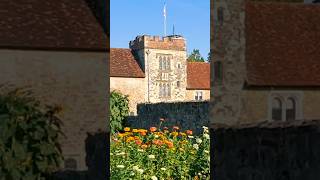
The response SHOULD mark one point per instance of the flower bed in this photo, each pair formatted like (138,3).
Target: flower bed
(159,154)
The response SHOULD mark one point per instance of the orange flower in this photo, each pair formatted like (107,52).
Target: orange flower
(189,132)
(144,146)
(153,129)
(126,129)
(175,128)
(136,137)
(157,142)
(138,142)
(169,144)
(143,133)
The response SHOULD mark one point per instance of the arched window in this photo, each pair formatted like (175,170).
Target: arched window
(168,90)
(168,63)
(291,109)
(276,109)
(164,63)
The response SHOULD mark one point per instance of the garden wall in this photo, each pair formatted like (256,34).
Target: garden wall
(97,158)
(281,151)
(187,115)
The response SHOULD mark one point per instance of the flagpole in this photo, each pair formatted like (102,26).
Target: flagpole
(165,19)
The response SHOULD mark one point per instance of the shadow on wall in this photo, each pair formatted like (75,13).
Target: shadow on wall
(186,115)
(96,160)
(282,151)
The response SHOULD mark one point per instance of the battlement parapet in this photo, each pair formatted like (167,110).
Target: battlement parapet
(175,42)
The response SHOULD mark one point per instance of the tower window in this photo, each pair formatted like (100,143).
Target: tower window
(220,13)
(160,62)
(164,90)
(178,83)
(164,62)
(217,71)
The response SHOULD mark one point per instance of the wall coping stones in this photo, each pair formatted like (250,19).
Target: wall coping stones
(267,124)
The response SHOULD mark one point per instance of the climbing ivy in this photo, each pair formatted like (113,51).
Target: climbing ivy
(119,110)
(29,147)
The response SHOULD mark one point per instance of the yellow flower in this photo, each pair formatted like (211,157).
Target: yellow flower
(126,129)
(183,134)
(129,139)
(135,130)
(121,135)
(175,133)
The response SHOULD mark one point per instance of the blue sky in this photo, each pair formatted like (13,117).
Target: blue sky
(191,18)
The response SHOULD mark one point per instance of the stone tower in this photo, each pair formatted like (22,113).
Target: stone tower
(164,61)
(229,69)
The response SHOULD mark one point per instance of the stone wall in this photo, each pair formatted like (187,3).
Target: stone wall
(282,151)
(133,87)
(187,115)
(77,81)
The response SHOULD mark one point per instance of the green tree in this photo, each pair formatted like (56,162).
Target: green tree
(209,57)
(195,56)
(29,147)
(119,110)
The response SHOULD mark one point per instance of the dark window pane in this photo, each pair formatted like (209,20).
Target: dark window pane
(276,109)
(217,71)
(291,109)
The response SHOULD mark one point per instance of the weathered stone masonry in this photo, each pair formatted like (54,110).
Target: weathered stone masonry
(150,49)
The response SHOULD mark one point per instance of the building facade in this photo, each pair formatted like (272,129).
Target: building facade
(158,71)
(62,60)
(265,61)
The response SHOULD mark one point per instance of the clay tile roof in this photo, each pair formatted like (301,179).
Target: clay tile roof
(49,24)
(198,75)
(124,64)
(282,44)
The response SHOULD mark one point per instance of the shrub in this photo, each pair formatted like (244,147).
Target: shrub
(119,110)
(29,147)
(143,154)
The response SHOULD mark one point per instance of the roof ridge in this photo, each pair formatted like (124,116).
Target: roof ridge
(282,3)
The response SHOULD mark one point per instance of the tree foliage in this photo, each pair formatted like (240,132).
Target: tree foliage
(195,56)
(119,110)
(29,147)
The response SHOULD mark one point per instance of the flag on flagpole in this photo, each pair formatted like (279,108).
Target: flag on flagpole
(164,11)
